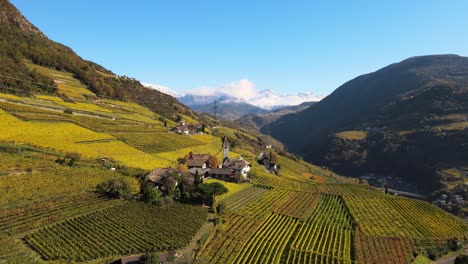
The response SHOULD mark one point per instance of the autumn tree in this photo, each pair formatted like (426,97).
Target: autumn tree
(273,157)
(213,162)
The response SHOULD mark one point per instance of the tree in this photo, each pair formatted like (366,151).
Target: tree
(170,183)
(462,259)
(212,190)
(273,157)
(197,178)
(150,258)
(148,194)
(213,162)
(115,188)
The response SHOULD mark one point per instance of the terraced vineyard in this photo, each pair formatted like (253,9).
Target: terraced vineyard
(396,217)
(17,189)
(160,142)
(120,230)
(297,204)
(302,214)
(383,250)
(329,223)
(53,135)
(228,239)
(33,215)
(326,236)
(268,242)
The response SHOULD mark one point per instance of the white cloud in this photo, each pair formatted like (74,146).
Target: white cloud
(242,89)
(245,90)
(270,99)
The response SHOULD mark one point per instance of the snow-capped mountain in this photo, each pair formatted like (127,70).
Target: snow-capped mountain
(236,99)
(162,89)
(267,99)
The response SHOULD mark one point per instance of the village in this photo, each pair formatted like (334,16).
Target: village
(194,168)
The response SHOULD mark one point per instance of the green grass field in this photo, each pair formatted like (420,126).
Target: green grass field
(352,135)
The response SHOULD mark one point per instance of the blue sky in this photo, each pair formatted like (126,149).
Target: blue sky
(285,46)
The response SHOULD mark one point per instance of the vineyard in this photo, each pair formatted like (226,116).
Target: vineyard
(159,142)
(20,188)
(301,214)
(329,223)
(66,137)
(383,249)
(120,230)
(325,237)
(36,214)
(268,242)
(297,204)
(395,217)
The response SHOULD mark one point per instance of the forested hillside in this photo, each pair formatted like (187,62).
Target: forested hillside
(22,43)
(414,113)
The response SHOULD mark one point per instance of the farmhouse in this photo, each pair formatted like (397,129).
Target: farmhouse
(156,175)
(266,160)
(222,174)
(185,129)
(238,166)
(181,129)
(202,172)
(197,160)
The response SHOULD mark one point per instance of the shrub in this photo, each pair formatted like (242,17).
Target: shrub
(462,259)
(150,258)
(115,188)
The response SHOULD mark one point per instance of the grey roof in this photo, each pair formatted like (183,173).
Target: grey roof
(237,163)
(195,162)
(200,171)
(222,171)
(157,173)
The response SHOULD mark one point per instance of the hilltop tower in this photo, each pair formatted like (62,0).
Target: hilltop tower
(225,147)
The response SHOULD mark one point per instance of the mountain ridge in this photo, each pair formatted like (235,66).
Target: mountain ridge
(393,106)
(23,42)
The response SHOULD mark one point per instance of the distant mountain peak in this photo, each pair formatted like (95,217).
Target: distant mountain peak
(162,89)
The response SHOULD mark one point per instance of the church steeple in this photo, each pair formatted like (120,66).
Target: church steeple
(225,147)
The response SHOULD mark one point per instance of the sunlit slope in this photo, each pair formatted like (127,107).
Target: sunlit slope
(297,219)
(68,137)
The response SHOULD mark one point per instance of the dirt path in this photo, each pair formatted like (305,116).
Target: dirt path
(187,254)
(450,258)
(58,110)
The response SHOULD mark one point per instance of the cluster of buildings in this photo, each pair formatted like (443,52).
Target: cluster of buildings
(206,166)
(184,129)
(444,200)
(266,159)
